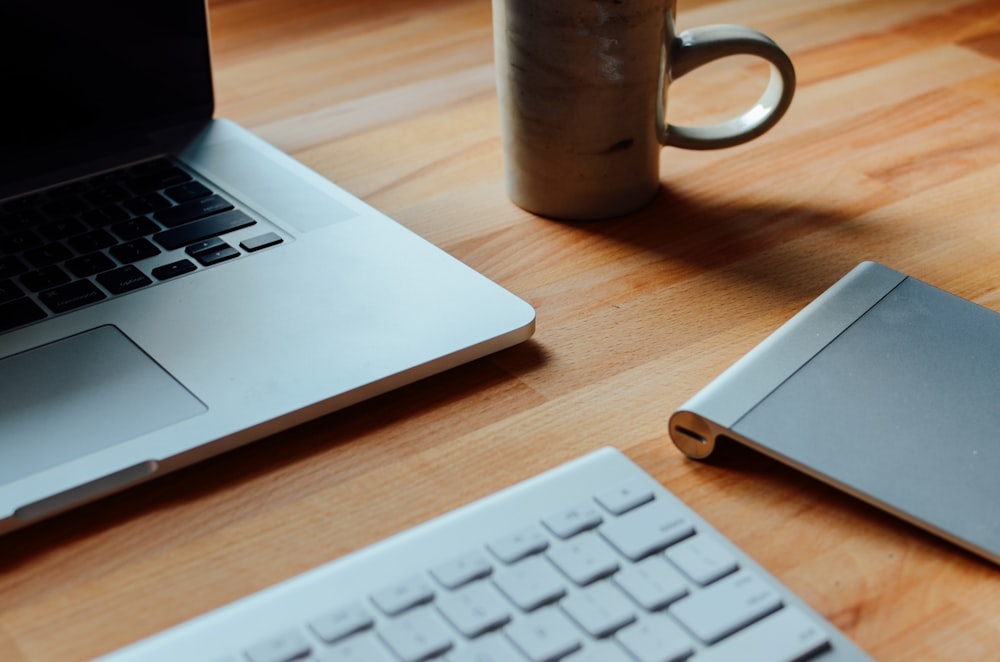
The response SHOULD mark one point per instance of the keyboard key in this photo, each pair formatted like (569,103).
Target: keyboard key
(402,595)
(490,648)
(474,609)
(43,279)
(652,583)
(585,558)
(73,295)
(89,242)
(208,258)
(19,241)
(361,648)
(9,290)
(133,251)
(261,242)
(283,647)
(133,228)
(48,254)
(62,228)
(106,195)
(124,279)
(146,204)
(88,265)
(601,609)
(339,623)
(656,639)
(188,191)
(571,521)
(726,606)
(416,635)
(173,269)
(545,636)
(161,179)
(99,218)
(649,529)
(787,635)
(602,651)
(190,211)
(519,544)
(18,313)
(11,266)
(531,583)
(623,497)
(702,559)
(212,226)
(461,569)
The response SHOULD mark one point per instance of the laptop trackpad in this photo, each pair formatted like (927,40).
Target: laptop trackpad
(64,400)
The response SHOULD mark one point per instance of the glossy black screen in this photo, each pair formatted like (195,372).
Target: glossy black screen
(73,72)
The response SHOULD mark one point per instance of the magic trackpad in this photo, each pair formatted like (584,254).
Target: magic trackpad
(64,400)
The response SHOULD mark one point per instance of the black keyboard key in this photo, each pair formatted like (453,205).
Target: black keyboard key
(11,266)
(212,226)
(61,229)
(160,179)
(48,254)
(20,220)
(174,269)
(212,251)
(133,251)
(43,279)
(90,264)
(208,258)
(9,290)
(19,241)
(187,192)
(212,244)
(134,228)
(89,242)
(261,242)
(123,279)
(19,312)
(107,195)
(73,295)
(61,207)
(99,218)
(146,204)
(190,211)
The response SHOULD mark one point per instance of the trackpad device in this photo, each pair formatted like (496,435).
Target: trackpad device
(70,398)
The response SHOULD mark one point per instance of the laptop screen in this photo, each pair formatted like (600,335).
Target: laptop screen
(74,73)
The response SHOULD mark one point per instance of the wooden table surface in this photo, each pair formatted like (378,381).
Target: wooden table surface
(890,152)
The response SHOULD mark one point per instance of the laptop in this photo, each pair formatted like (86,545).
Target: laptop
(171,286)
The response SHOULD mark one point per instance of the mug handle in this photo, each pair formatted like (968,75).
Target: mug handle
(695,47)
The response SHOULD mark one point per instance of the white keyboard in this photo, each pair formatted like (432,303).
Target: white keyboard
(593,561)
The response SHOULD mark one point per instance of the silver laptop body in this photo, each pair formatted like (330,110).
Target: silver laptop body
(342,304)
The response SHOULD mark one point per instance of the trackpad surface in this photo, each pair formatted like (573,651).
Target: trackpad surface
(70,398)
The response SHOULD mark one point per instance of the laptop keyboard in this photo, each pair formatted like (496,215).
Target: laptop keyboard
(594,561)
(111,234)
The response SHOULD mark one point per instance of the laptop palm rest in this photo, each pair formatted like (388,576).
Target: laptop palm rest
(76,396)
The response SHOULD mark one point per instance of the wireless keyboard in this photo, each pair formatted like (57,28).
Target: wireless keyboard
(593,561)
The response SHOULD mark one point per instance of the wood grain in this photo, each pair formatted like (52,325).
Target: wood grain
(891,152)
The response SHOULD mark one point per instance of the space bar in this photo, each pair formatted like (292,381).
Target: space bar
(204,228)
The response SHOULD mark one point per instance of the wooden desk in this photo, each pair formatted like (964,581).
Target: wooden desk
(891,151)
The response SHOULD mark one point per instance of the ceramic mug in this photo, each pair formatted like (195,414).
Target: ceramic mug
(582,86)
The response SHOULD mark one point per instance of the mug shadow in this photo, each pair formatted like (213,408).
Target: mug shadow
(755,243)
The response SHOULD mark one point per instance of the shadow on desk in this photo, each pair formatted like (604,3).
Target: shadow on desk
(762,244)
(362,423)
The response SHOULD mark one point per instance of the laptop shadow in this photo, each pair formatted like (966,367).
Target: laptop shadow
(369,422)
